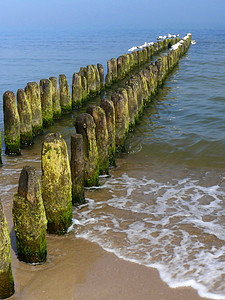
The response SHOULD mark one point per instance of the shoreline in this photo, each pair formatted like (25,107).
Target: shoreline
(82,270)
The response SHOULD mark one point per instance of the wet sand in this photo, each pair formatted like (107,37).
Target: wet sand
(78,269)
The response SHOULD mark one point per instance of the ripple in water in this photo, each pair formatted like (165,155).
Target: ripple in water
(176,227)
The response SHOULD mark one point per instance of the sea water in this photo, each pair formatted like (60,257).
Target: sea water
(163,205)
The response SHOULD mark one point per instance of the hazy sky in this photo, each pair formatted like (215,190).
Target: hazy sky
(113,13)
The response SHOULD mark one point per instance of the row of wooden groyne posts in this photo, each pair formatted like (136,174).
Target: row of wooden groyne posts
(46,206)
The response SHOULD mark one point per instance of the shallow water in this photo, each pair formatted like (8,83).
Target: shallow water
(163,205)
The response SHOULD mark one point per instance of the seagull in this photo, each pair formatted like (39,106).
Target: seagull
(160,37)
(150,44)
(169,35)
(193,42)
(133,48)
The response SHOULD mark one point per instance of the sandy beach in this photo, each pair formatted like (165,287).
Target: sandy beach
(78,269)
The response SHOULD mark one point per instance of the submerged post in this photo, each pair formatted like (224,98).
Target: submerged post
(85,125)
(29,218)
(56,183)
(11,124)
(77,168)
(6,276)
(25,114)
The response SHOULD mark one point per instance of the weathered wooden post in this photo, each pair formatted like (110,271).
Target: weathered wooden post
(144,87)
(120,67)
(91,80)
(32,91)
(46,102)
(77,90)
(82,73)
(6,276)
(56,183)
(0,149)
(55,98)
(108,107)
(11,124)
(132,105)
(25,114)
(85,125)
(29,218)
(77,168)
(102,137)
(97,79)
(65,97)
(101,74)
(120,101)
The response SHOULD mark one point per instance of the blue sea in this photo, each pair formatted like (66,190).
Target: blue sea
(163,205)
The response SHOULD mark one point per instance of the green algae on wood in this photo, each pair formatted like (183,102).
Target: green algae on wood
(91,80)
(77,169)
(11,124)
(85,125)
(25,114)
(120,101)
(55,98)
(29,218)
(97,79)
(56,183)
(46,101)
(102,137)
(0,149)
(109,110)
(32,91)
(101,75)
(77,90)
(6,276)
(65,97)
(132,105)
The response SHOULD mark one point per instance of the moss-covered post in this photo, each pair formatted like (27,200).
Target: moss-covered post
(56,183)
(85,125)
(46,102)
(108,107)
(65,97)
(97,79)
(132,105)
(135,83)
(144,87)
(82,73)
(101,74)
(0,149)
(55,98)
(120,101)
(120,67)
(77,169)
(32,91)
(77,90)
(102,137)
(25,114)
(29,218)
(11,124)
(6,276)
(91,80)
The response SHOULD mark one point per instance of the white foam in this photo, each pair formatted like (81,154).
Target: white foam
(162,225)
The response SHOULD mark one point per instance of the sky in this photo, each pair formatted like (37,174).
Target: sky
(50,14)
